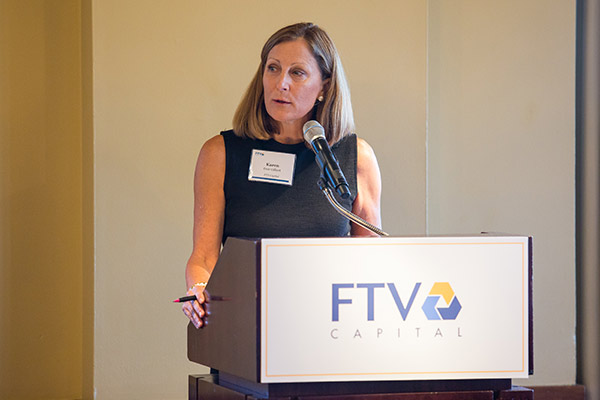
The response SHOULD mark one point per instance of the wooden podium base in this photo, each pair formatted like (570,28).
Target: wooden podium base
(207,387)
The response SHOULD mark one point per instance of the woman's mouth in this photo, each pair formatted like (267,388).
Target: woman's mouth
(279,101)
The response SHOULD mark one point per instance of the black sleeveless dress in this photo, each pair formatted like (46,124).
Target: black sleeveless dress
(269,210)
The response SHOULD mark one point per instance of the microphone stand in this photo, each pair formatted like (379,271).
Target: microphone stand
(340,209)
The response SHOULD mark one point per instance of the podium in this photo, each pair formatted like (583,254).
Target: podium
(368,316)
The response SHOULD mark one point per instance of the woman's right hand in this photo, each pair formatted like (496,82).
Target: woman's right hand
(209,217)
(198,310)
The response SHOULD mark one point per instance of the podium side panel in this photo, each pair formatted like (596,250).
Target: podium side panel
(229,341)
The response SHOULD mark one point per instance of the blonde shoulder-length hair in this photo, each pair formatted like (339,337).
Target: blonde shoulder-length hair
(334,112)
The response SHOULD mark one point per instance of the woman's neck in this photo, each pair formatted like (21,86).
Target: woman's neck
(289,133)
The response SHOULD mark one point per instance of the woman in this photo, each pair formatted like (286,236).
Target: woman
(300,77)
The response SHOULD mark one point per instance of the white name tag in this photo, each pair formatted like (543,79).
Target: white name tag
(272,167)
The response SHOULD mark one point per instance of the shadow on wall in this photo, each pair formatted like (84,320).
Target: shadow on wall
(40,200)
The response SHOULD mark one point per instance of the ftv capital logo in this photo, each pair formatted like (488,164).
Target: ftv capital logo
(430,307)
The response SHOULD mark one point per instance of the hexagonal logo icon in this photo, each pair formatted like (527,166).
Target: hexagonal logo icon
(433,311)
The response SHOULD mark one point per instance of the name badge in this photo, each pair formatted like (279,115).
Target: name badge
(272,167)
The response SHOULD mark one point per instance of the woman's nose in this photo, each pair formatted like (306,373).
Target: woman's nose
(283,83)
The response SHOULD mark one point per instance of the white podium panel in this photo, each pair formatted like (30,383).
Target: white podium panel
(368,309)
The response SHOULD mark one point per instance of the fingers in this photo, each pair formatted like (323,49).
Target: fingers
(197,311)
(193,317)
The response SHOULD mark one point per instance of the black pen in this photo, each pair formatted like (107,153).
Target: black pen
(192,298)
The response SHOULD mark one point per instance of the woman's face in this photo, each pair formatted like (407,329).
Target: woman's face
(291,82)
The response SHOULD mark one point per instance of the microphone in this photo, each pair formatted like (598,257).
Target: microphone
(314,134)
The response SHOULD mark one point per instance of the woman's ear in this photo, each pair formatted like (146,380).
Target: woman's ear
(325,87)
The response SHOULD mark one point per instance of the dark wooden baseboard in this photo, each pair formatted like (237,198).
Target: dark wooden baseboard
(206,387)
(515,393)
(567,392)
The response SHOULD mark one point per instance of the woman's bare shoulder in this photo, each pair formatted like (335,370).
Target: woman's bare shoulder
(214,146)
(212,153)
(366,156)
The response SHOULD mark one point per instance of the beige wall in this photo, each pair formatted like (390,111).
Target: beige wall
(40,200)
(502,146)
(468,105)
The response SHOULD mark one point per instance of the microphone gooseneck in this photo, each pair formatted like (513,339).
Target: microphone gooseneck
(331,174)
(314,134)
(341,210)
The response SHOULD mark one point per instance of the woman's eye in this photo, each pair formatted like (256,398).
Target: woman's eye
(298,73)
(272,68)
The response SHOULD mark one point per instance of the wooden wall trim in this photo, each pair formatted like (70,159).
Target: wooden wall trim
(567,392)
